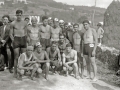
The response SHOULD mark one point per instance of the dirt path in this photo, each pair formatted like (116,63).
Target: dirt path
(56,82)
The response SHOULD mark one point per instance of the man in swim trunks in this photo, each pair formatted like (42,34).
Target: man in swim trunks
(54,56)
(33,32)
(70,60)
(18,36)
(45,30)
(90,45)
(42,59)
(26,62)
(55,31)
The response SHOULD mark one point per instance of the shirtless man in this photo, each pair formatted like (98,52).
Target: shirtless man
(26,62)
(55,31)
(45,30)
(33,32)
(77,46)
(70,60)
(18,37)
(54,56)
(42,59)
(90,45)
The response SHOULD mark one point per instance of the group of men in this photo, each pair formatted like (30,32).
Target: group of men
(51,46)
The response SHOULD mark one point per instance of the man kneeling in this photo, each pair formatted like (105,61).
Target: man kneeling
(26,63)
(55,57)
(70,60)
(42,59)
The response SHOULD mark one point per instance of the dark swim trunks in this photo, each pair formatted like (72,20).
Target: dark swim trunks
(20,42)
(45,43)
(88,48)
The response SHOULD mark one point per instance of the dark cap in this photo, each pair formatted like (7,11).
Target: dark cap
(86,21)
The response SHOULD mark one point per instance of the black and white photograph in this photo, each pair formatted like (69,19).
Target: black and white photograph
(59,44)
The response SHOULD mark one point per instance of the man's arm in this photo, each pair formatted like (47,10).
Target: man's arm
(75,58)
(64,59)
(95,38)
(28,34)
(59,56)
(11,31)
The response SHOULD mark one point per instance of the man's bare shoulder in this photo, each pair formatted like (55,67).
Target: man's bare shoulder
(73,51)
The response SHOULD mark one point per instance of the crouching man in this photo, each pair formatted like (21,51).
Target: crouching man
(55,57)
(42,59)
(70,60)
(26,62)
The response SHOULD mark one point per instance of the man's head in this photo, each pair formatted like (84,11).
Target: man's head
(45,20)
(29,50)
(61,23)
(66,26)
(38,47)
(34,21)
(76,27)
(6,19)
(68,47)
(19,14)
(61,37)
(27,19)
(56,22)
(99,25)
(54,46)
(86,24)
(50,21)
(70,26)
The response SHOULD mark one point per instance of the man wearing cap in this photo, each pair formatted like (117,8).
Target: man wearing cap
(90,45)
(42,59)
(70,60)
(55,31)
(54,56)
(61,24)
(33,32)
(45,31)
(50,21)
(100,32)
(69,33)
(26,62)
(18,36)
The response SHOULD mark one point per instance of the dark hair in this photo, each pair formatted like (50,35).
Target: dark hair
(44,17)
(76,24)
(7,16)
(68,45)
(86,21)
(65,23)
(19,11)
(27,18)
(99,24)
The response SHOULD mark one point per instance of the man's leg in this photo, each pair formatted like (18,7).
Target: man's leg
(35,68)
(47,70)
(88,66)
(75,69)
(4,52)
(16,54)
(83,64)
(20,74)
(12,58)
(93,63)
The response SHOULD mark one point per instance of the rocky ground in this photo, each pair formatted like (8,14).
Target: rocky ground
(59,82)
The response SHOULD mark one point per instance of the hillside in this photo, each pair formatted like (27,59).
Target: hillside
(55,9)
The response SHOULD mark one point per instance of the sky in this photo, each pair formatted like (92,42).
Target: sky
(100,3)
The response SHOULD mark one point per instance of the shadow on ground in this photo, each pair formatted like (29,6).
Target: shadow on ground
(99,87)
